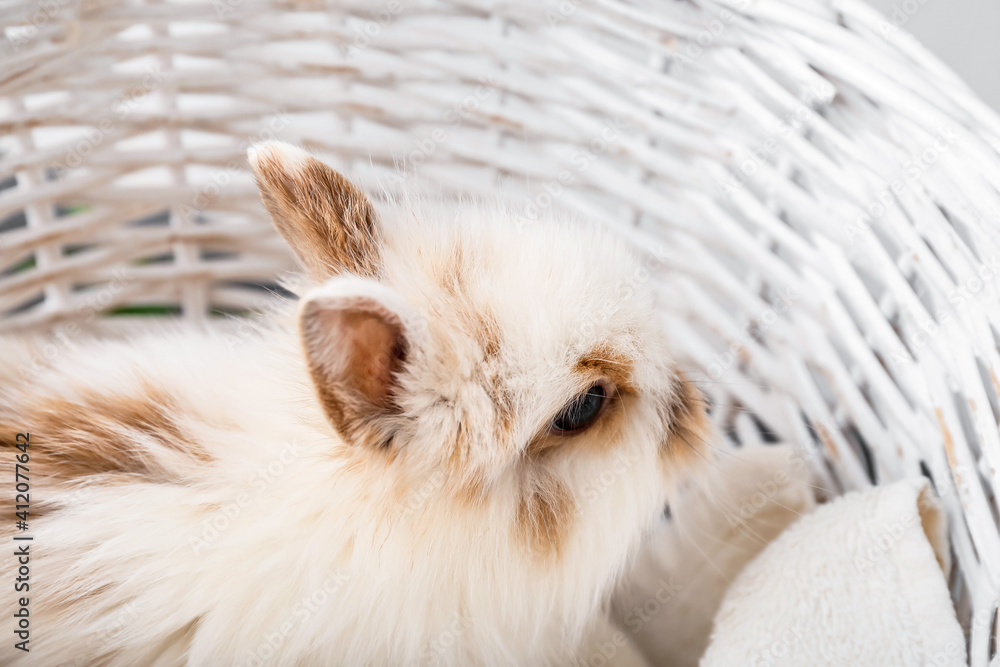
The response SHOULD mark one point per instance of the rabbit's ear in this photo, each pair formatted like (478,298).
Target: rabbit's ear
(329,223)
(356,335)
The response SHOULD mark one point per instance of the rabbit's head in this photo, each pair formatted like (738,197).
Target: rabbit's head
(511,386)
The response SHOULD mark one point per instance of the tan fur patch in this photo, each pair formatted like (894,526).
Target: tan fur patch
(687,422)
(459,450)
(485,330)
(450,272)
(469,482)
(544,514)
(605,361)
(99,434)
(329,223)
(503,408)
(473,489)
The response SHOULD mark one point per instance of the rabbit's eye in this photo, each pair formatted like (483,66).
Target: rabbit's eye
(582,412)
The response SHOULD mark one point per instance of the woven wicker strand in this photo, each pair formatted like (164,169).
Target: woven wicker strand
(817,194)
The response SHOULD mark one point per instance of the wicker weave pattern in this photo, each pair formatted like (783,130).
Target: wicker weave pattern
(818,196)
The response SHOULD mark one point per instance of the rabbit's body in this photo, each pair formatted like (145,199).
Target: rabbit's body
(381,484)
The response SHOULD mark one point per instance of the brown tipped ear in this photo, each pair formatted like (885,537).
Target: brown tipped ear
(329,224)
(355,339)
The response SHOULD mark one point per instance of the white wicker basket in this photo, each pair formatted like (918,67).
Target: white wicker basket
(818,195)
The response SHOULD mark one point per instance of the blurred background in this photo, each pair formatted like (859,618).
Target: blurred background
(963,33)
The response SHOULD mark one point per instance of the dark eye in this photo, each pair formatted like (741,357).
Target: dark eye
(582,412)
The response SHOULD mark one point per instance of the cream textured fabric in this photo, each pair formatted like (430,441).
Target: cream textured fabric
(858,582)
(667,602)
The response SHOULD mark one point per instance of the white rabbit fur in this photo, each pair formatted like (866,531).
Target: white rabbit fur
(196,501)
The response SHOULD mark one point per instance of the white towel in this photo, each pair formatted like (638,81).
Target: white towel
(721,522)
(859,582)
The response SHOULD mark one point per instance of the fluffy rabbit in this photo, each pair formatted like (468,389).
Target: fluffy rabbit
(445,453)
